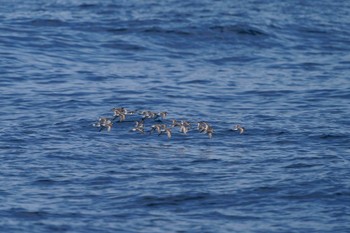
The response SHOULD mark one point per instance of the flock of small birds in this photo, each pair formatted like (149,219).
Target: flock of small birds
(158,118)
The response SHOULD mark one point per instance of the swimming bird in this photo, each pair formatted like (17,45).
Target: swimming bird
(104,123)
(184,129)
(167,131)
(140,123)
(163,114)
(108,125)
(158,127)
(185,123)
(141,130)
(122,117)
(239,128)
(148,114)
(100,121)
(202,126)
(139,126)
(175,123)
(184,126)
(119,112)
(210,131)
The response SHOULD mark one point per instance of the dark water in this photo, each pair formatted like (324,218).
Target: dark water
(281,69)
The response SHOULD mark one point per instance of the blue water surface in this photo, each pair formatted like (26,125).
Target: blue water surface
(279,68)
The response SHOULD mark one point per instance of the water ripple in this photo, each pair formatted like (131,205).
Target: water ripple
(279,69)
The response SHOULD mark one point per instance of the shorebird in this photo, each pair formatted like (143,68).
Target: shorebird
(122,117)
(141,130)
(210,131)
(104,122)
(139,126)
(100,121)
(148,114)
(184,129)
(119,112)
(239,128)
(158,127)
(162,114)
(140,123)
(185,123)
(108,125)
(167,131)
(184,126)
(202,126)
(175,123)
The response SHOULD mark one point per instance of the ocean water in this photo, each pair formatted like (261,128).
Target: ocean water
(281,69)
